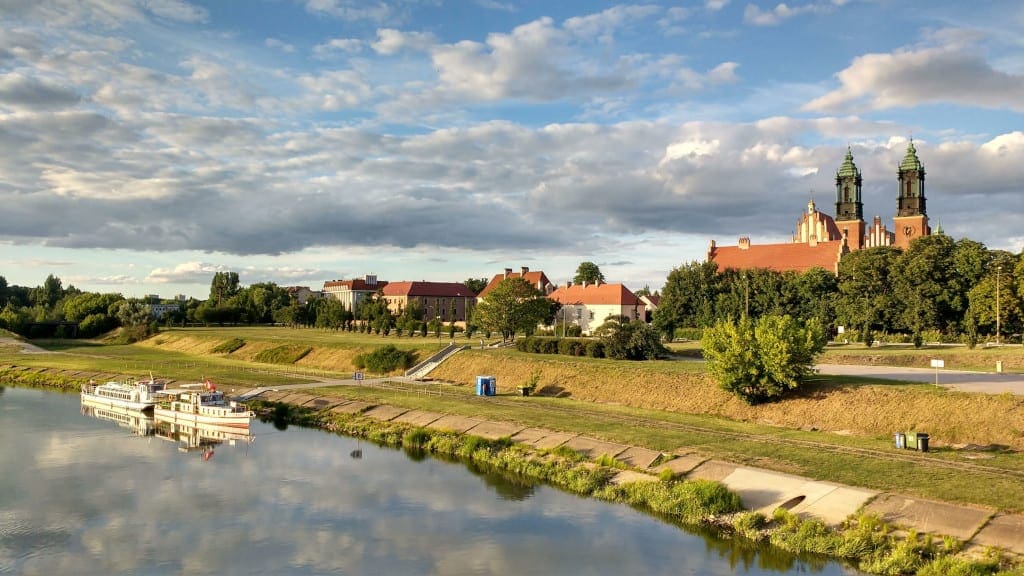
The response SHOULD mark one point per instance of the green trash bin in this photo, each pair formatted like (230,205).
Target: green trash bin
(911,441)
(922,442)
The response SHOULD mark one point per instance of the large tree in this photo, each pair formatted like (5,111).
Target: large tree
(866,301)
(223,286)
(477,285)
(922,283)
(588,272)
(688,298)
(513,305)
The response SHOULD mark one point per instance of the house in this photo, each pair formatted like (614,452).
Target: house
(651,302)
(444,301)
(352,292)
(537,279)
(303,294)
(589,305)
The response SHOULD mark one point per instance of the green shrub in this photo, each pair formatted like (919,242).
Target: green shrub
(688,333)
(595,349)
(386,359)
(228,346)
(286,354)
(417,438)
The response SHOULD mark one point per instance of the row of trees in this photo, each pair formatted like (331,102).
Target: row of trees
(936,288)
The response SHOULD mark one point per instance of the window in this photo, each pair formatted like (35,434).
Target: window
(591,314)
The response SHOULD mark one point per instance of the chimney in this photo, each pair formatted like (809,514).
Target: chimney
(371,279)
(745,243)
(568,283)
(508,272)
(524,270)
(584,283)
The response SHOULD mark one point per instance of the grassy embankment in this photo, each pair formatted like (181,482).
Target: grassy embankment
(664,405)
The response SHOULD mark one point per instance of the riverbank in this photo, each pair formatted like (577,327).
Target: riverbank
(658,485)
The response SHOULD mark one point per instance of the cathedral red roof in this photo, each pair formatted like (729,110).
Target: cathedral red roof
(798,257)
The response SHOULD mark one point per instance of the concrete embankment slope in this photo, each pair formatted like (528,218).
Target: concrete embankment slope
(761,490)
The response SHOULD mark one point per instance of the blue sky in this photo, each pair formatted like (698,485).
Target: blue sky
(146,144)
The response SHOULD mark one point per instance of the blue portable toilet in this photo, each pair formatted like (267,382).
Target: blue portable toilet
(481,385)
(492,385)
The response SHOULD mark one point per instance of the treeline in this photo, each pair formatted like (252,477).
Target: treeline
(51,310)
(937,290)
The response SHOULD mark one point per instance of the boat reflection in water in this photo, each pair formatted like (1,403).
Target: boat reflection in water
(139,422)
(200,437)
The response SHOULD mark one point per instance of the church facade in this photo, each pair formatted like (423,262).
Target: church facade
(821,240)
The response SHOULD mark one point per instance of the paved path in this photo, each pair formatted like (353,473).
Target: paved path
(963,380)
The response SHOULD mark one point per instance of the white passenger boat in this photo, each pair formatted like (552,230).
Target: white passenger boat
(205,406)
(130,394)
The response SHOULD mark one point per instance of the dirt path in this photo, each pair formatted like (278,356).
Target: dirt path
(26,348)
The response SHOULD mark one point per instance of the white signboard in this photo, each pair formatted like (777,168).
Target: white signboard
(938,364)
(359,375)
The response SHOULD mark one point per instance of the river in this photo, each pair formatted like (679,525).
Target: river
(82,495)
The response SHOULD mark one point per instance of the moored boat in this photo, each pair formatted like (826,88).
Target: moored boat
(203,406)
(130,394)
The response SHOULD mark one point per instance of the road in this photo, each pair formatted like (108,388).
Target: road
(962,380)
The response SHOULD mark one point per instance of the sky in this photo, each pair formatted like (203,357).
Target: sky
(147,144)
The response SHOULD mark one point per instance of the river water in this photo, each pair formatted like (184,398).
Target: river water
(82,495)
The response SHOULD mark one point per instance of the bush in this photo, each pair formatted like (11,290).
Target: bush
(228,346)
(548,346)
(760,361)
(688,333)
(286,354)
(595,349)
(385,359)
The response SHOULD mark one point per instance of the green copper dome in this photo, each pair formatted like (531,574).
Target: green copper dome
(910,161)
(849,169)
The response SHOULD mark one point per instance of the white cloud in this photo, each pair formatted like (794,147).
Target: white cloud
(350,9)
(753,14)
(603,25)
(495,5)
(390,41)
(715,5)
(30,93)
(724,73)
(185,273)
(178,10)
(335,45)
(280,45)
(909,77)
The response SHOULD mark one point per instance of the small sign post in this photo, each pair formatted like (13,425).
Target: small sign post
(358,376)
(936,363)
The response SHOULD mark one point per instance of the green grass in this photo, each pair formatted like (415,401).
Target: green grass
(920,476)
(284,354)
(228,346)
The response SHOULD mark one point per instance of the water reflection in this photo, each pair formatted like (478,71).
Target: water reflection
(201,437)
(139,423)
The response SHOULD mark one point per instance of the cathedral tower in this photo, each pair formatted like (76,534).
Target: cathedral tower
(849,208)
(911,220)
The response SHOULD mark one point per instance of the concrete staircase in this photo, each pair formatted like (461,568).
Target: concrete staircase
(420,370)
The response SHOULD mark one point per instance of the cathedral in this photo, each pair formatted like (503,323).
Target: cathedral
(821,241)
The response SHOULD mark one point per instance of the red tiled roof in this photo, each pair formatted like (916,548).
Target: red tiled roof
(536,278)
(356,285)
(431,289)
(654,299)
(595,294)
(798,257)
